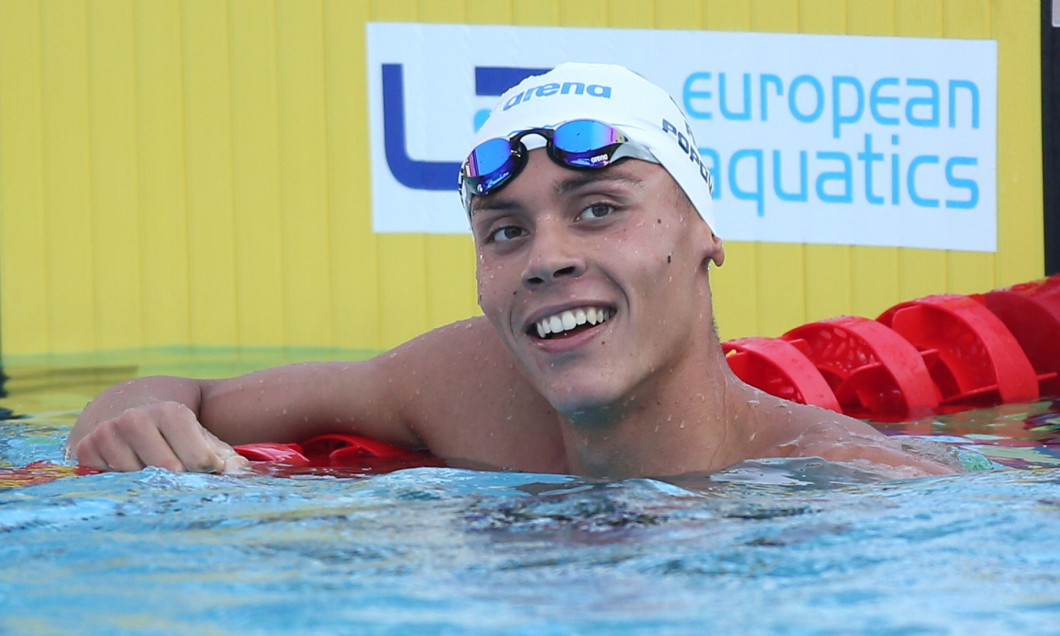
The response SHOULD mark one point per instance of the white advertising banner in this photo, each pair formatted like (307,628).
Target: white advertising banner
(811,138)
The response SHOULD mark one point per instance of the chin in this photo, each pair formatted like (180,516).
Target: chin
(573,399)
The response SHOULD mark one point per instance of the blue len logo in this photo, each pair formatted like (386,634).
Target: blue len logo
(490,81)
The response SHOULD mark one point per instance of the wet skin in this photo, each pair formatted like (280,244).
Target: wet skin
(623,241)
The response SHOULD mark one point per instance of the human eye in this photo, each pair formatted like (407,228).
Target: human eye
(506,234)
(596,211)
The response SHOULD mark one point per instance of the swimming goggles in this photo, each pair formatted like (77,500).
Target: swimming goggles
(581,143)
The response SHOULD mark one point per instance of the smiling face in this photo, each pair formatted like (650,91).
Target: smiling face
(595,279)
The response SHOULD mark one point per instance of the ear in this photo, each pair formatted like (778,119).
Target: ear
(710,245)
(717,252)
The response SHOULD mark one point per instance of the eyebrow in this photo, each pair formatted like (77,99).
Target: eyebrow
(577,180)
(586,178)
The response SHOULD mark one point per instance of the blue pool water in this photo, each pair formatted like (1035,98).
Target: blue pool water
(767,547)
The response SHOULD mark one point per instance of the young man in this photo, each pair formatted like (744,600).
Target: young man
(597,354)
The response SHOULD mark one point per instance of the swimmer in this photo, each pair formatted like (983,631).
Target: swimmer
(597,353)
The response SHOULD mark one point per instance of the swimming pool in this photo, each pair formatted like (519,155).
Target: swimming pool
(768,547)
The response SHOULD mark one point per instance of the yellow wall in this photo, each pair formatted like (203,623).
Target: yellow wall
(196,173)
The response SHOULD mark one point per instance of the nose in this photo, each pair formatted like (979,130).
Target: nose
(553,257)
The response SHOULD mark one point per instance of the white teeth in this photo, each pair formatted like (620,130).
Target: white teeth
(567,320)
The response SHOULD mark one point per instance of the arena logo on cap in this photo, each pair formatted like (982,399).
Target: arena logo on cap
(850,140)
(552,88)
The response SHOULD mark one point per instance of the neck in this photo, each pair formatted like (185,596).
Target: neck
(688,422)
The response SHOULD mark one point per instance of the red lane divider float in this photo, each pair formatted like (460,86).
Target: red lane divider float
(1031,312)
(972,356)
(941,352)
(345,453)
(337,455)
(870,368)
(781,368)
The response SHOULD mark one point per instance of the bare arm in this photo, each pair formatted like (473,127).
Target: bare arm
(179,423)
(453,390)
(148,422)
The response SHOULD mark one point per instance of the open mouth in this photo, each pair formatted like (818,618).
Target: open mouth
(570,321)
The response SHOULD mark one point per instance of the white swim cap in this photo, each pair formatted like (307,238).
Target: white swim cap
(614,95)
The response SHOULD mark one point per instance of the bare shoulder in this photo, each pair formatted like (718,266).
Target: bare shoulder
(809,431)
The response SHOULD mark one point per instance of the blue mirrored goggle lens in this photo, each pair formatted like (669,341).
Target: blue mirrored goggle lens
(585,143)
(582,144)
(489,156)
(490,164)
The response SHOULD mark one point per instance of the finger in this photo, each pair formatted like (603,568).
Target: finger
(152,448)
(232,462)
(114,450)
(88,455)
(189,441)
(236,464)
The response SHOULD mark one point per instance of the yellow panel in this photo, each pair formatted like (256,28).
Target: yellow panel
(160,123)
(24,309)
(66,177)
(445,11)
(875,275)
(536,12)
(967,18)
(775,16)
(394,10)
(781,294)
(355,271)
(970,272)
(871,18)
(112,92)
(488,12)
(354,276)
(256,173)
(829,281)
(728,15)
(303,173)
(918,18)
(208,144)
(402,287)
(1020,232)
(823,16)
(630,14)
(735,290)
(921,273)
(678,14)
(451,289)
